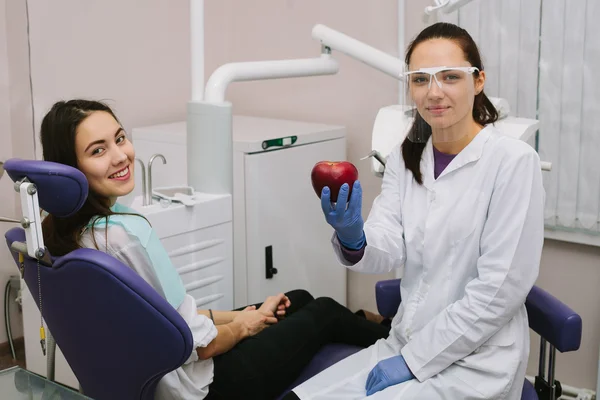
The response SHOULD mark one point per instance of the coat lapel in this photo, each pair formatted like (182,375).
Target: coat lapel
(469,154)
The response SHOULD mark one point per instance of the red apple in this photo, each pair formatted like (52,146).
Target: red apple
(333,174)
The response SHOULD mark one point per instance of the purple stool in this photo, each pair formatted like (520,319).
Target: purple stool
(554,321)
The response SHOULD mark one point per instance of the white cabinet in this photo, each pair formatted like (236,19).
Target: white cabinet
(287,238)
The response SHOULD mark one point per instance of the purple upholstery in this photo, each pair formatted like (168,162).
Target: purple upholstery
(387,295)
(118,335)
(548,316)
(325,358)
(62,190)
(529,392)
(553,320)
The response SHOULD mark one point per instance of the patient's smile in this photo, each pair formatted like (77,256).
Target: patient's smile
(121,175)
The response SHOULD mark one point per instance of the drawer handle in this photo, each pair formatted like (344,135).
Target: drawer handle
(269,262)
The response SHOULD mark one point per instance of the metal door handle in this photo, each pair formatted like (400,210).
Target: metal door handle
(270,270)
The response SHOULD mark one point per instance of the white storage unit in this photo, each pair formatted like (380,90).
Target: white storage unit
(280,238)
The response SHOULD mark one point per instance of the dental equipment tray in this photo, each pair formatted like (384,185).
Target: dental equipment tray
(170,192)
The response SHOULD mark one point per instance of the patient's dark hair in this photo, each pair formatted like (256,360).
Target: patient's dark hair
(484,111)
(57,134)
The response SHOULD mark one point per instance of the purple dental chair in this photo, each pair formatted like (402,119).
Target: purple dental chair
(117,334)
(120,337)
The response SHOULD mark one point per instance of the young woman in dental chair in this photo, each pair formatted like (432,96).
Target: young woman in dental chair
(254,353)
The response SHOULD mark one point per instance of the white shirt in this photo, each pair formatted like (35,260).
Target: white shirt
(191,380)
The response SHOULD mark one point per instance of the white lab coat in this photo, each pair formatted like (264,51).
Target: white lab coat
(470,243)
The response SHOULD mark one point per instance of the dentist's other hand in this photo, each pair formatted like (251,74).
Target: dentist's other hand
(347,221)
(388,372)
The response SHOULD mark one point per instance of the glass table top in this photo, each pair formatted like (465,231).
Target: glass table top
(17,383)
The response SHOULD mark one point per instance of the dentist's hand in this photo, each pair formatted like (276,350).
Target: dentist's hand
(347,222)
(388,372)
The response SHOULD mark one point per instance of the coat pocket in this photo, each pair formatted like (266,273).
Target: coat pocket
(466,215)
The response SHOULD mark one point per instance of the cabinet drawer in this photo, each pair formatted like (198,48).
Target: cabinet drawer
(203,259)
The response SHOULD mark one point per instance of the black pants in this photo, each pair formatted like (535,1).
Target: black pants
(261,367)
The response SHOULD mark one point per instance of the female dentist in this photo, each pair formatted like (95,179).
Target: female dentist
(461,209)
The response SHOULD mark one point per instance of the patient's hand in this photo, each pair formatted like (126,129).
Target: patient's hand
(275,305)
(253,321)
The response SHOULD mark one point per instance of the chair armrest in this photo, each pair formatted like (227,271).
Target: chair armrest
(387,294)
(553,320)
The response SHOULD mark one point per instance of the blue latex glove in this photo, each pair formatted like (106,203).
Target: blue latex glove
(388,372)
(347,222)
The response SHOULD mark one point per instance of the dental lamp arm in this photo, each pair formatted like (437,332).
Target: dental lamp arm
(446,6)
(358,50)
(260,70)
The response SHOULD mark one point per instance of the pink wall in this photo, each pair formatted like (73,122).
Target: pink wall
(7,193)
(134,54)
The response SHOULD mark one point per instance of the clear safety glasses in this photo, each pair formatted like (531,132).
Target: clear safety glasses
(443,77)
(437,107)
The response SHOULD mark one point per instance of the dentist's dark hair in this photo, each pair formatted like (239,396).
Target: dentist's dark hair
(484,111)
(57,134)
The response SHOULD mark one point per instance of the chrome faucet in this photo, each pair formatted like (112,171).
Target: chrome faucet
(144,191)
(164,160)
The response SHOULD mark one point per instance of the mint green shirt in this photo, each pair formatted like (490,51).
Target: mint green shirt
(141,249)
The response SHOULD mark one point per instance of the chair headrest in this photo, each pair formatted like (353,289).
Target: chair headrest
(61,189)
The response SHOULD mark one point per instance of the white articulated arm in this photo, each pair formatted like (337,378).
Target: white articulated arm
(358,50)
(31,220)
(445,6)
